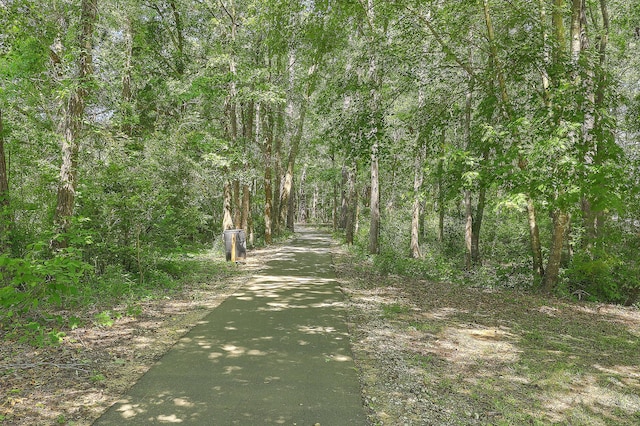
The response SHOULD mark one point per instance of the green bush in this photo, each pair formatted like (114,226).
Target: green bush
(31,280)
(594,277)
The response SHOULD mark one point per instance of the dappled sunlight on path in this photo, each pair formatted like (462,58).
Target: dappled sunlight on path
(275,352)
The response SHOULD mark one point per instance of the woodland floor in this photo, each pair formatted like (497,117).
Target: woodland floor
(427,353)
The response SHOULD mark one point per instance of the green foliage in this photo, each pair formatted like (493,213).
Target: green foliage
(609,272)
(33,279)
(104,319)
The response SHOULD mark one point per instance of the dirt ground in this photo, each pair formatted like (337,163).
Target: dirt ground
(427,354)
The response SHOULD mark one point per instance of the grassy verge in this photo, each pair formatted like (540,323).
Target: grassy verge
(44,313)
(440,353)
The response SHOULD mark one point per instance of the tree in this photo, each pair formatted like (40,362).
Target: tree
(73,121)
(5,215)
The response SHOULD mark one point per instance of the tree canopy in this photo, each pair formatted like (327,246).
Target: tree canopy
(487,140)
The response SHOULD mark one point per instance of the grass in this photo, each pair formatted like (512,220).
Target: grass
(101,299)
(495,357)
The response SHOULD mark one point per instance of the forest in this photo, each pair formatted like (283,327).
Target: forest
(488,142)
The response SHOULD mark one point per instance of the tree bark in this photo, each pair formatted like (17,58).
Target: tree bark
(345,198)
(375,78)
(231,190)
(302,198)
(248,132)
(468,204)
(267,128)
(534,236)
(287,186)
(72,126)
(5,215)
(418,176)
(237,204)
(127,78)
(351,203)
(374,229)
(552,273)
(227,219)
(477,225)
(594,216)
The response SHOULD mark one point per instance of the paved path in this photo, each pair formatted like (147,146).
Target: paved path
(275,352)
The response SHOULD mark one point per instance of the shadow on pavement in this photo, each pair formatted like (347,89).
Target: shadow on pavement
(275,352)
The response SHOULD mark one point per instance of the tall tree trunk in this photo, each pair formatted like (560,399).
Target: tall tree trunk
(351,203)
(246,208)
(267,128)
(287,187)
(374,228)
(72,125)
(604,136)
(127,91)
(418,176)
(468,202)
(277,132)
(237,204)
(335,196)
(552,273)
(375,76)
(468,228)
(440,196)
(344,205)
(477,225)
(302,198)
(5,215)
(601,135)
(560,216)
(314,203)
(248,133)
(227,194)
(231,191)
(534,237)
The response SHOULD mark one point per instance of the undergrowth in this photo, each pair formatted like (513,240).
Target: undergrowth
(45,294)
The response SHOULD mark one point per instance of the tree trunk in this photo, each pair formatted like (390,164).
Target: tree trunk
(237,204)
(277,129)
(477,225)
(248,133)
(291,207)
(468,204)
(418,177)
(227,218)
(72,126)
(335,197)
(351,202)
(374,229)
(344,205)
(5,215)
(534,235)
(302,198)
(552,273)
(375,127)
(127,91)
(287,186)
(267,128)
(231,190)
(246,208)
(468,228)
(601,135)
(314,203)
(441,200)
